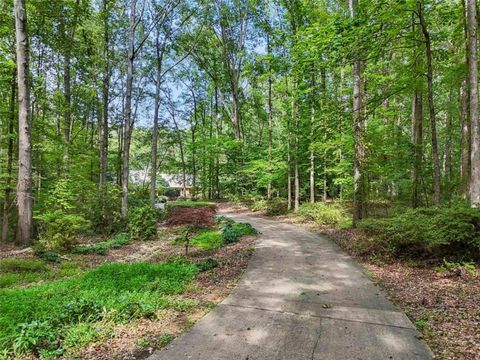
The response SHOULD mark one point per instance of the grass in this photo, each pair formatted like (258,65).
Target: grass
(207,240)
(46,319)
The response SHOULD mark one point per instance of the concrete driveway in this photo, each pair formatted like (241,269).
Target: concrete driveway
(301,297)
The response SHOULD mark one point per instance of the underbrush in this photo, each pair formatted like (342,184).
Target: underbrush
(103,247)
(22,272)
(190,204)
(272,207)
(325,214)
(452,233)
(47,319)
(207,240)
(226,232)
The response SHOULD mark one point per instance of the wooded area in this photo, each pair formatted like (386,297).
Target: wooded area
(369,101)
(359,117)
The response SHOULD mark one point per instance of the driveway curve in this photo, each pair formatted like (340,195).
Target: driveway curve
(301,297)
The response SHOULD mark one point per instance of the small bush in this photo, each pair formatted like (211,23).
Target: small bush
(59,230)
(233,232)
(427,232)
(276,207)
(272,207)
(321,213)
(48,256)
(207,264)
(142,222)
(207,240)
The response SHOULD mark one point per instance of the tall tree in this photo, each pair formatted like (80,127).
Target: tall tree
(358,125)
(472,26)
(24,186)
(431,107)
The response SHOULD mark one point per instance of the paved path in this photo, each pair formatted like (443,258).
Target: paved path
(301,298)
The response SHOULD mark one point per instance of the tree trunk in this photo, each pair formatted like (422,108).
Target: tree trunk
(8,180)
(127,132)
(312,152)
(359,148)
(105,99)
(473,81)
(270,119)
(296,159)
(24,185)
(417,139)
(431,108)
(154,151)
(464,140)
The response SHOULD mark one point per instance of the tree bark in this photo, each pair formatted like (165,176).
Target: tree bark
(24,185)
(473,81)
(431,108)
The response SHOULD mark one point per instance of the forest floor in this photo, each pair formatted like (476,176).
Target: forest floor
(443,303)
(137,338)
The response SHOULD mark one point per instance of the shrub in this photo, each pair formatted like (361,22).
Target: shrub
(427,232)
(207,264)
(142,222)
(321,213)
(207,240)
(59,230)
(259,205)
(276,207)
(194,217)
(233,232)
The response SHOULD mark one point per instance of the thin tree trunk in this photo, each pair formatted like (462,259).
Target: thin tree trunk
(417,137)
(473,81)
(296,159)
(464,140)
(127,132)
(154,151)
(24,184)
(270,119)
(8,180)
(359,150)
(312,152)
(105,99)
(417,127)
(431,108)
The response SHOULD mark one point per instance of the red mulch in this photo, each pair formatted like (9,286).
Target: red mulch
(196,217)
